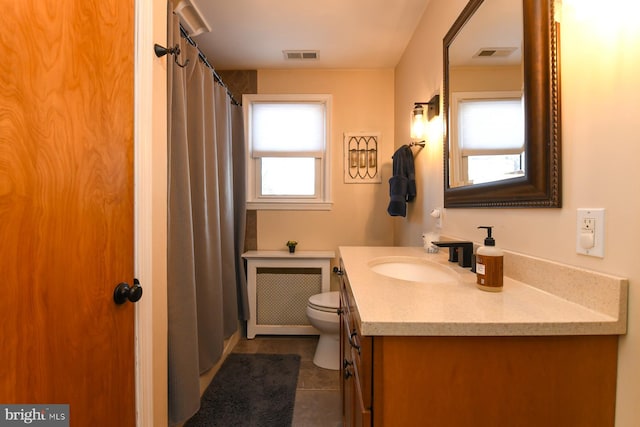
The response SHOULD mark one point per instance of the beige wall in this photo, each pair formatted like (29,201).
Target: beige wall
(474,79)
(418,76)
(600,64)
(362,101)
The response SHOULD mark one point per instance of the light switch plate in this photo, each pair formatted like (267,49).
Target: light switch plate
(590,232)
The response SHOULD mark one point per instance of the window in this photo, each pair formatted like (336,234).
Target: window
(288,157)
(489,130)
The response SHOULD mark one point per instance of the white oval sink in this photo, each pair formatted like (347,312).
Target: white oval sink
(413,269)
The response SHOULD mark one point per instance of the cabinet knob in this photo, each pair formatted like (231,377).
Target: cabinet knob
(353,334)
(347,374)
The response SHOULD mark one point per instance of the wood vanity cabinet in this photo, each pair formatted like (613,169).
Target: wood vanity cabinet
(493,381)
(355,354)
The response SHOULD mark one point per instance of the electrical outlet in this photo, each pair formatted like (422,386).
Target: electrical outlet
(590,232)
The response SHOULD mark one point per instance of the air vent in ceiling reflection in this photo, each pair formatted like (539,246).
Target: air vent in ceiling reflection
(301,54)
(494,52)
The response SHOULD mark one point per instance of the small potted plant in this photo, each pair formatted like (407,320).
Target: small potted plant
(292,245)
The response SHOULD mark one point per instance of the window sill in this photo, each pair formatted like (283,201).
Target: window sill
(290,206)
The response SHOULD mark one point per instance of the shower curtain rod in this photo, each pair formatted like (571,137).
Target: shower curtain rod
(203,58)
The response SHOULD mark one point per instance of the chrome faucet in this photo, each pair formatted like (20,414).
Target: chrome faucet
(459,251)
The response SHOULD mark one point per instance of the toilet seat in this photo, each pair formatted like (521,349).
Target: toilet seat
(327,301)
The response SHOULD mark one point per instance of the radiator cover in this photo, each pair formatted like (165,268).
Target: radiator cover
(279,285)
(282,294)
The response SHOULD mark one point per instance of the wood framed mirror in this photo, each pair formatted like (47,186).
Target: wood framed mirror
(532,177)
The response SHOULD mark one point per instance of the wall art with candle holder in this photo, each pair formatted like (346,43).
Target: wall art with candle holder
(361,157)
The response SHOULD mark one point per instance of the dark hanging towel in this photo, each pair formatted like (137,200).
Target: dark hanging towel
(402,185)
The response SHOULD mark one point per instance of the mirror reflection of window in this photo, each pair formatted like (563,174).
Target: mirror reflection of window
(491,139)
(486,80)
(489,130)
(489,168)
(504,46)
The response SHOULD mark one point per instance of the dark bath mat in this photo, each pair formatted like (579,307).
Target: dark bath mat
(252,390)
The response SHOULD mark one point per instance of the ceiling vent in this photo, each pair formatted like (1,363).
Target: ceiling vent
(494,52)
(301,54)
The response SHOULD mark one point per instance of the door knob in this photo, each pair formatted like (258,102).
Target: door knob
(124,292)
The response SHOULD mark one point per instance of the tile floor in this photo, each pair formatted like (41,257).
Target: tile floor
(318,400)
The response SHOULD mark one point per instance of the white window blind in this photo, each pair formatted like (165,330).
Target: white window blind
(288,151)
(288,129)
(491,126)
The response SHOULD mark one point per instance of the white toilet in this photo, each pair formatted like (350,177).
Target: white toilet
(322,311)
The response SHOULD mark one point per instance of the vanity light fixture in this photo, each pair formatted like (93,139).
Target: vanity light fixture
(422,113)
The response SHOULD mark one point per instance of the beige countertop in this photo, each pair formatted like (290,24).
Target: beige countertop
(388,306)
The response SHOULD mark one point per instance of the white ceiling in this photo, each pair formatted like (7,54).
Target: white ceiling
(252,34)
(497,24)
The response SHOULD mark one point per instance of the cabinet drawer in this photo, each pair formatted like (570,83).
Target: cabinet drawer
(362,364)
(362,408)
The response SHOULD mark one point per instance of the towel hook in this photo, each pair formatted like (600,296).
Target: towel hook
(175,51)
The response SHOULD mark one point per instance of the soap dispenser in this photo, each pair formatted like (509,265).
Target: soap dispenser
(489,267)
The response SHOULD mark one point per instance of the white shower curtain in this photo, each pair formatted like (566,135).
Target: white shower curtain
(206,281)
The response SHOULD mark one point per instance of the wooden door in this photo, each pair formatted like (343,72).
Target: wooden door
(66,207)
